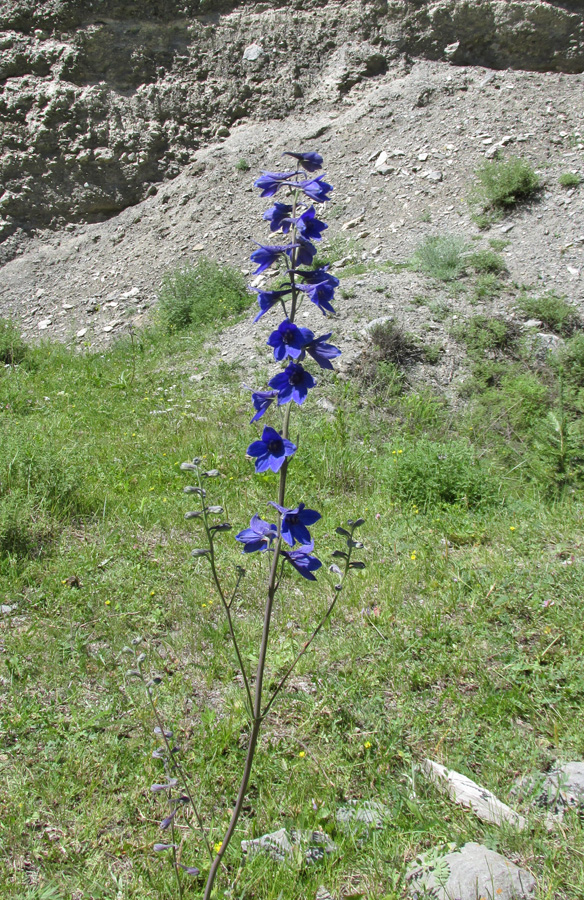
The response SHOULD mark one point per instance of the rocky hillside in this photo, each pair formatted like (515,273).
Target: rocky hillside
(102,102)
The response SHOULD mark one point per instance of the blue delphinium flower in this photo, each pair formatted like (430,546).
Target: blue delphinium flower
(305,252)
(309,226)
(278,216)
(322,352)
(315,188)
(271,182)
(318,276)
(292,384)
(310,161)
(289,340)
(261,401)
(320,294)
(294,522)
(264,256)
(271,451)
(267,299)
(258,536)
(302,560)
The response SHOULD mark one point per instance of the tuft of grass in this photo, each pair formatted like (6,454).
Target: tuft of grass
(503,183)
(392,344)
(486,334)
(12,347)
(441,256)
(569,179)
(201,294)
(487,262)
(487,287)
(242,165)
(498,244)
(554,312)
(571,359)
(430,473)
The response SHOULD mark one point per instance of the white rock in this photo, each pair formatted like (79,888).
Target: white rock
(253,52)
(507,227)
(381,159)
(81,333)
(451,49)
(422,157)
(432,175)
(127,295)
(467,793)
(353,223)
(44,323)
(573,271)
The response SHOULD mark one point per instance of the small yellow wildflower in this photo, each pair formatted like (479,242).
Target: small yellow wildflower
(217,847)
(512,528)
(203,605)
(413,556)
(108,602)
(367,745)
(152,593)
(302,754)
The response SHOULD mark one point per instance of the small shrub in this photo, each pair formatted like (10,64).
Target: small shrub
(392,344)
(441,256)
(487,262)
(432,353)
(486,334)
(12,347)
(571,360)
(242,165)
(439,309)
(487,287)
(554,312)
(200,294)
(569,179)
(498,244)
(430,473)
(503,183)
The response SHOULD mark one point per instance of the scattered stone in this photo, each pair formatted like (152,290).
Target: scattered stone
(381,159)
(506,228)
(422,157)
(6,610)
(81,333)
(253,52)
(353,223)
(573,271)
(129,295)
(467,793)
(472,873)
(198,248)
(559,790)
(450,49)
(360,818)
(432,175)
(282,846)
(532,323)
(44,323)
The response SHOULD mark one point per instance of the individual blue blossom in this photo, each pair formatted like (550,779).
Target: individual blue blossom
(261,401)
(318,276)
(271,451)
(294,521)
(278,216)
(302,560)
(320,294)
(305,252)
(289,340)
(267,299)
(258,536)
(271,182)
(264,256)
(292,384)
(315,188)
(309,227)
(310,161)
(322,352)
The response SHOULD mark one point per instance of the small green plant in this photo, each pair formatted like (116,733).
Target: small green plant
(12,347)
(392,344)
(432,353)
(486,334)
(487,287)
(569,179)
(554,312)
(338,247)
(570,359)
(501,184)
(487,262)
(201,294)
(498,244)
(430,473)
(441,256)
(242,165)
(440,310)
(425,216)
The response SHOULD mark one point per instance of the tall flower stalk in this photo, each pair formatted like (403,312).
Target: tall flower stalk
(288,540)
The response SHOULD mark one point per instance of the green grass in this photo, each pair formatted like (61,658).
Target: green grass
(554,312)
(501,184)
(12,347)
(199,294)
(441,257)
(461,639)
(569,179)
(486,334)
(487,262)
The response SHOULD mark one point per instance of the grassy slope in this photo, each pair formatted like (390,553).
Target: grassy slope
(461,640)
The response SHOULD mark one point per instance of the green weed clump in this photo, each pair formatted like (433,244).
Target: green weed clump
(487,334)
(503,183)
(430,473)
(487,287)
(242,165)
(201,294)
(12,347)
(441,257)
(487,262)
(554,312)
(569,179)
